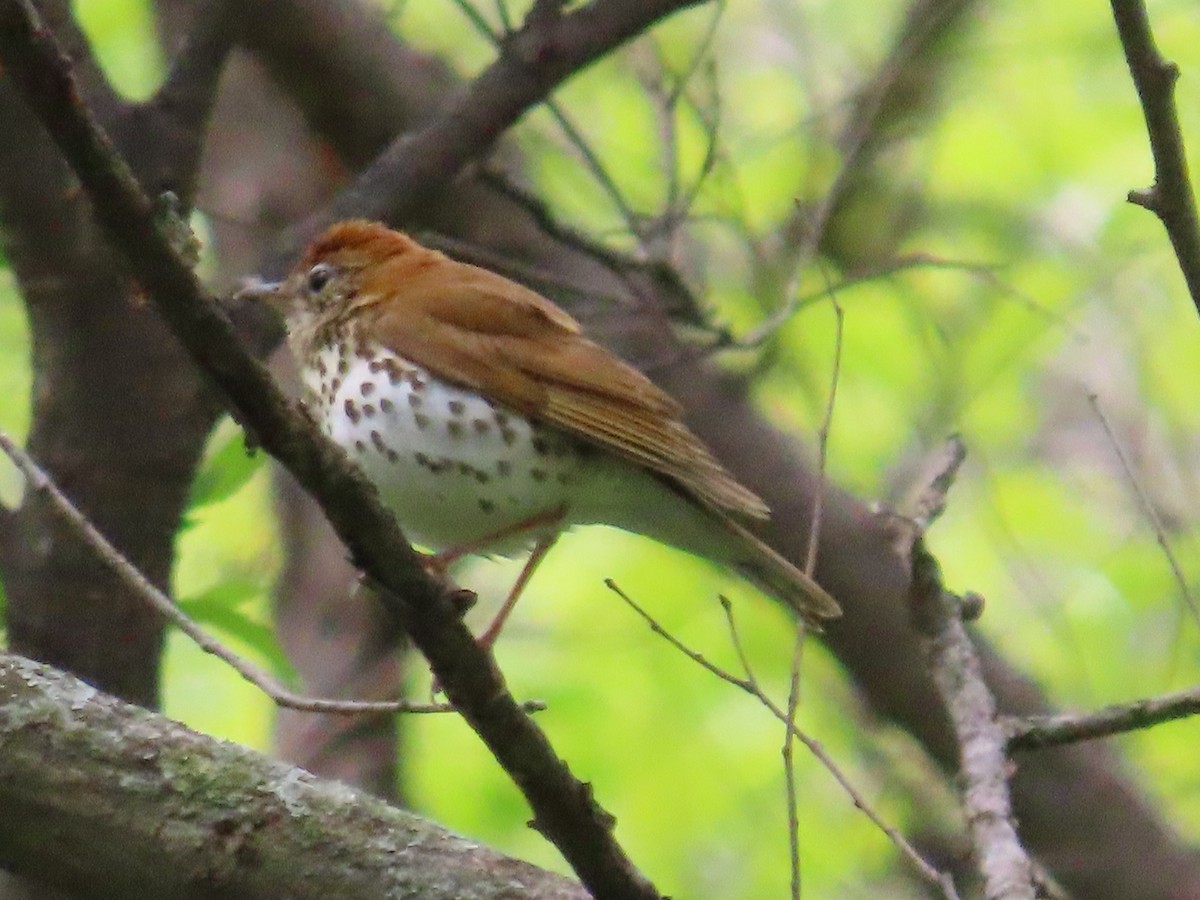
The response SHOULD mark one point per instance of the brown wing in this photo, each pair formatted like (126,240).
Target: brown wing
(480,330)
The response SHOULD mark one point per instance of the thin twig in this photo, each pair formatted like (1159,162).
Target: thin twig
(1036,732)
(574,136)
(810,565)
(984,272)
(750,685)
(814,534)
(1148,508)
(640,275)
(856,139)
(133,578)
(591,161)
(475,17)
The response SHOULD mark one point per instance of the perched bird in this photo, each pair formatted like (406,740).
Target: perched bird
(490,423)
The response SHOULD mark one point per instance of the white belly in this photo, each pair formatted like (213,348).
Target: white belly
(452,467)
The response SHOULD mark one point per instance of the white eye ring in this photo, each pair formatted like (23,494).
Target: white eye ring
(319,276)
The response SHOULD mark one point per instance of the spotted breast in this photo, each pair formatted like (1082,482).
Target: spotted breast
(453,466)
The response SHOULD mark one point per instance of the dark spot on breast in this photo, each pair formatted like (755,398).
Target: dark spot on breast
(368,409)
(422,460)
(392,455)
(503,468)
(454,429)
(501,419)
(375,366)
(541,446)
(414,401)
(360,446)
(343,365)
(322,369)
(538,474)
(421,419)
(486,505)
(510,436)
(367,388)
(386,405)
(351,411)
(480,426)
(377,440)
(457,407)
(482,477)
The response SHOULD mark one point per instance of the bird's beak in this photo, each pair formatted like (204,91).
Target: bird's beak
(256,290)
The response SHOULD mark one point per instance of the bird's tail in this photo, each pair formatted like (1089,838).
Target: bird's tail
(774,575)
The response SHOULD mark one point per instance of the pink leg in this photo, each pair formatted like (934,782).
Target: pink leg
(540,549)
(441,561)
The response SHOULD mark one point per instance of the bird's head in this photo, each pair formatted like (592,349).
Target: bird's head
(351,264)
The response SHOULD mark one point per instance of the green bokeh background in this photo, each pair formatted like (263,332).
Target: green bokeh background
(1024,168)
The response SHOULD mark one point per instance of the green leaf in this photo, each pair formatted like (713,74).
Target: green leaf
(220,608)
(223,473)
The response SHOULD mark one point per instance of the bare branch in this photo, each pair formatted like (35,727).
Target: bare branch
(564,808)
(810,565)
(750,685)
(983,766)
(533,61)
(1036,732)
(1170,197)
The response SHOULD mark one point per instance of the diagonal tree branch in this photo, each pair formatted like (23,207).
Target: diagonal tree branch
(1170,197)
(564,809)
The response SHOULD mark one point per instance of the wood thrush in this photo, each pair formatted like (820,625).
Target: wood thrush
(489,423)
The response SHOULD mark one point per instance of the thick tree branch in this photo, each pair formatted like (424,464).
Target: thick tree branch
(1170,197)
(142,807)
(564,810)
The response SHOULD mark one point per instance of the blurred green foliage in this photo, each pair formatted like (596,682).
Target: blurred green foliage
(1023,169)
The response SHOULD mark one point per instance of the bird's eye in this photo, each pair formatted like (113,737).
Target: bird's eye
(319,276)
